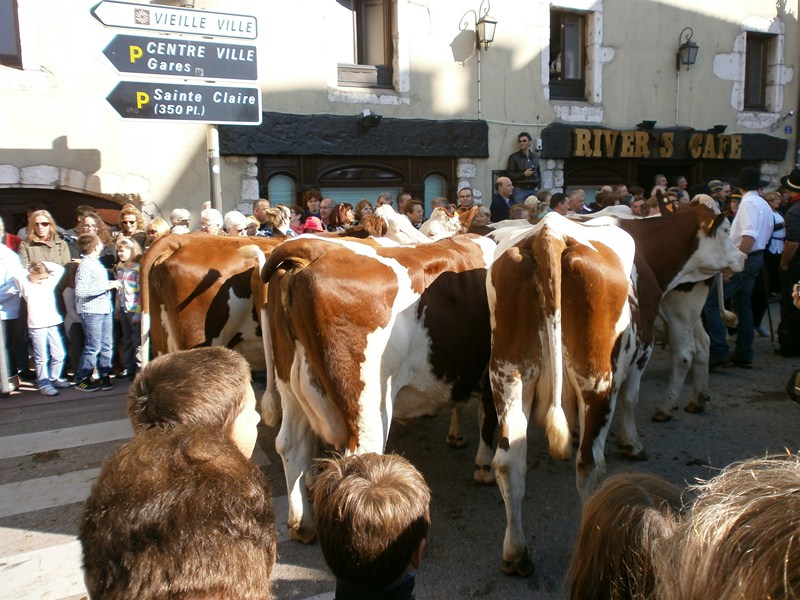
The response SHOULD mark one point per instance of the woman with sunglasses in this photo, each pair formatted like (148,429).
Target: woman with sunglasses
(43,242)
(131,225)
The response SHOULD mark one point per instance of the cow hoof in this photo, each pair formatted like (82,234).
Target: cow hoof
(456,441)
(659,416)
(522,567)
(628,452)
(304,535)
(694,408)
(484,474)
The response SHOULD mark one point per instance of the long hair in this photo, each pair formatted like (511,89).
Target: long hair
(52,232)
(621,524)
(741,540)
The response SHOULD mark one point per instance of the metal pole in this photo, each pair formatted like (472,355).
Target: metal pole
(480,112)
(212,141)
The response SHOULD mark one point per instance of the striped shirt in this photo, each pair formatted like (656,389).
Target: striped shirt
(128,296)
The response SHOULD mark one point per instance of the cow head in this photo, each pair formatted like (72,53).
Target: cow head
(399,228)
(715,251)
(441,224)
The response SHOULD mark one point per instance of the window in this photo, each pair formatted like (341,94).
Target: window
(10,53)
(280,190)
(371,51)
(755,71)
(434,188)
(567,55)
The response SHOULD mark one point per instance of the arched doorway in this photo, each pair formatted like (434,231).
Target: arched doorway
(61,204)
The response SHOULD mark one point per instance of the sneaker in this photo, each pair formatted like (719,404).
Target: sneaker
(60,384)
(105,383)
(762,331)
(48,390)
(87,385)
(719,361)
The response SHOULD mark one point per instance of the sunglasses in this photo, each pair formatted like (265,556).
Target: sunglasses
(43,224)
(151,232)
(128,222)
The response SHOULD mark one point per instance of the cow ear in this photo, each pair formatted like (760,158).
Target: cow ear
(712,225)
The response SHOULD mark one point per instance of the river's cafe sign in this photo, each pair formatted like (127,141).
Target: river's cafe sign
(561,141)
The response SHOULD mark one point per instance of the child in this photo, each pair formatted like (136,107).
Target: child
(207,386)
(129,307)
(179,514)
(39,290)
(622,524)
(93,293)
(372,518)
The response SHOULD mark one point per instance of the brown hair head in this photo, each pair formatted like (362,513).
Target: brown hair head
(101,229)
(87,242)
(179,514)
(620,526)
(371,513)
(203,386)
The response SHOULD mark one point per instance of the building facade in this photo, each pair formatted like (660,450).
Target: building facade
(365,96)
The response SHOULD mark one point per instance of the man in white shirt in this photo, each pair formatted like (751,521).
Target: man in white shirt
(750,232)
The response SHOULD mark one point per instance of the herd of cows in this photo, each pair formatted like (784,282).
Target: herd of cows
(383,322)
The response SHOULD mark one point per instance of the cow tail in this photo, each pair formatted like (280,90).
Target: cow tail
(294,255)
(547,251)
(270,400)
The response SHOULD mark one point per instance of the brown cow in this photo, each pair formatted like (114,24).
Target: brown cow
(361,335)
(573,311)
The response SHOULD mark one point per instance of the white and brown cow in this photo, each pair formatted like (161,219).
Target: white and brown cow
(362,335)
(196,291)
(573,309)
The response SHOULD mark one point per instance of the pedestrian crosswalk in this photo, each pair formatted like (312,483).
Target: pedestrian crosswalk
(40,555)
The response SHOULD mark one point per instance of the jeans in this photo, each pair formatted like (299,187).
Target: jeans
(519,194)
(48,353)
(131,341)
(740,289)
(98,345)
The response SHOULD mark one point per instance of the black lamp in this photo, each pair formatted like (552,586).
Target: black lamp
(687,51)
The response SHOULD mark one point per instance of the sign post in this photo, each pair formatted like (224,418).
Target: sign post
(183,58)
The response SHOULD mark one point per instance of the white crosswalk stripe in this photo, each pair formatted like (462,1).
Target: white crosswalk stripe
(30,559)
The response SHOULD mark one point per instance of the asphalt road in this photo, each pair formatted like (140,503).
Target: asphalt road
(51,448)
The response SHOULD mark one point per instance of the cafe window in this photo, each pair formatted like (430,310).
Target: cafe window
(10,53)
(369,50)
(757,51)
(567,55)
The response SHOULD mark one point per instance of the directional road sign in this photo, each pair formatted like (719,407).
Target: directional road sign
(153,17)
(181,57)
(202,103)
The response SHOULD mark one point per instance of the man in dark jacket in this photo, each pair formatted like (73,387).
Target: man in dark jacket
(523,169)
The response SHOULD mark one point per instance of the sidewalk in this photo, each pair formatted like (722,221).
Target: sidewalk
(27,404)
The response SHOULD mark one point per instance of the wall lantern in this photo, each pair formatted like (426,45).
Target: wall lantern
(484,25)
(687,51)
